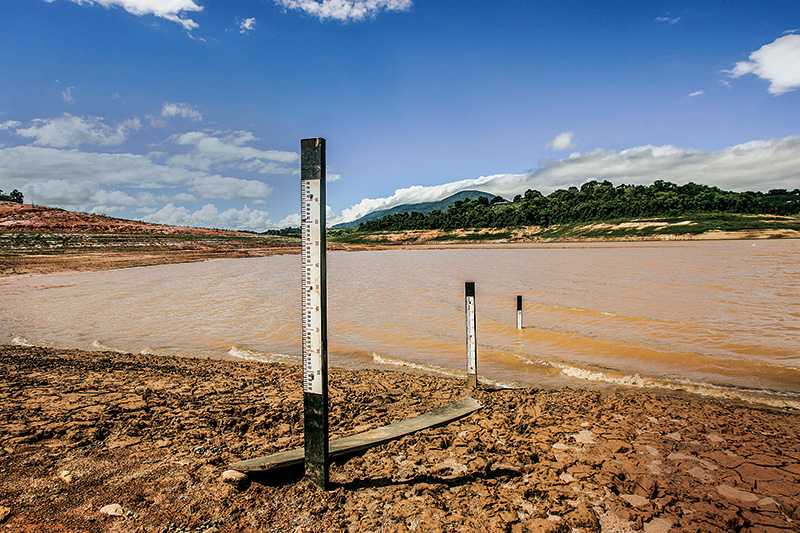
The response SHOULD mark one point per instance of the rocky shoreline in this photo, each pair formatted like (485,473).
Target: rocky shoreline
(95,441)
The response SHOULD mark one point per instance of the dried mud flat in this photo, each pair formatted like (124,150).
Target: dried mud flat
(94,441)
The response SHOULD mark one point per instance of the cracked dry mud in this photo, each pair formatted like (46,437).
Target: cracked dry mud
(95,441)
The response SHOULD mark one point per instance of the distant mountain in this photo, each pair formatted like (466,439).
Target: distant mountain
(425,208)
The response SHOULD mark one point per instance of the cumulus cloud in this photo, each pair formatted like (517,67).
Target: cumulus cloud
(345,10)
(180,110)
(247,25)
(777,62)
(229,188)
(697,93)
(28,164)
(82,195)
(231,150)
(88,178)
(563,141)
(210,217)
(292,220)
(69,130)
(106,209)
(173,10)
(756,165)
(10,125)
(53,167)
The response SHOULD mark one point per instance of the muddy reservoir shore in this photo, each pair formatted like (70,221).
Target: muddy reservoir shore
(97,441)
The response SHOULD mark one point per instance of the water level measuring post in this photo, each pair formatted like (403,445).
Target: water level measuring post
(314,295)
(519,312)
(472,343)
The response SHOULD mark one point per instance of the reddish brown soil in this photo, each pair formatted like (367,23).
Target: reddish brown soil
(43,240)
(26,217)
(80,431)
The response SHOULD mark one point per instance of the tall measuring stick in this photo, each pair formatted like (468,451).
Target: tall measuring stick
(519,312)
(472,343)
(314,332)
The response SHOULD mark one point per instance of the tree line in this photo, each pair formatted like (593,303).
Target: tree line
(593,202)
(14,196)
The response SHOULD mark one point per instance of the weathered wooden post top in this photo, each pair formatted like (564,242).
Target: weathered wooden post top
(314,327)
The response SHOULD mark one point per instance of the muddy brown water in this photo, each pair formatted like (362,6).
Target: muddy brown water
(716,318)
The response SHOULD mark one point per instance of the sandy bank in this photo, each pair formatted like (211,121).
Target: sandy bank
(150,436)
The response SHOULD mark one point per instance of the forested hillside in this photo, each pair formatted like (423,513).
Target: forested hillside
(593,202)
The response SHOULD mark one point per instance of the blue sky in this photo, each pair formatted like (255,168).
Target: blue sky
(191,111)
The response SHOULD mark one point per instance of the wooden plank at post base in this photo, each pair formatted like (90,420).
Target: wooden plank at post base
(368,439)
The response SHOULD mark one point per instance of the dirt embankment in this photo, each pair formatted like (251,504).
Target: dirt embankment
(95,442)
(41,240)
(26,217)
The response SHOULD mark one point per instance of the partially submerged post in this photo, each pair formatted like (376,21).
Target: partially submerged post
(472,343)
(314,328)
(519,312)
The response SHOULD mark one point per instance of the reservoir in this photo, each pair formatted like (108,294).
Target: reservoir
(715,318)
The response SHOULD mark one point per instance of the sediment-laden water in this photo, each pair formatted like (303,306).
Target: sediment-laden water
(719,318)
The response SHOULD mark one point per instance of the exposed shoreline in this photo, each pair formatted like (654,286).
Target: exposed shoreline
(78,260)
(83,430)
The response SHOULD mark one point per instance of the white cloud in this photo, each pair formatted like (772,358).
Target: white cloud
(33,163)
(668,20)
(756,165)
(777,62)
(69,130)
(697,93)
(51,170)
(172,10)
(228,149)
(210,217)
(180,110)
(563,141)
(180,197)
(247,25)
(292,220)
(229,188)
(10,125)
(345,10)
(81,195)
(66,95)
(75,179)
(105,209)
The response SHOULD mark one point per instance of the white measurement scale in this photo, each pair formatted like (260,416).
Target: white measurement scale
(472,342)
(312,215)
